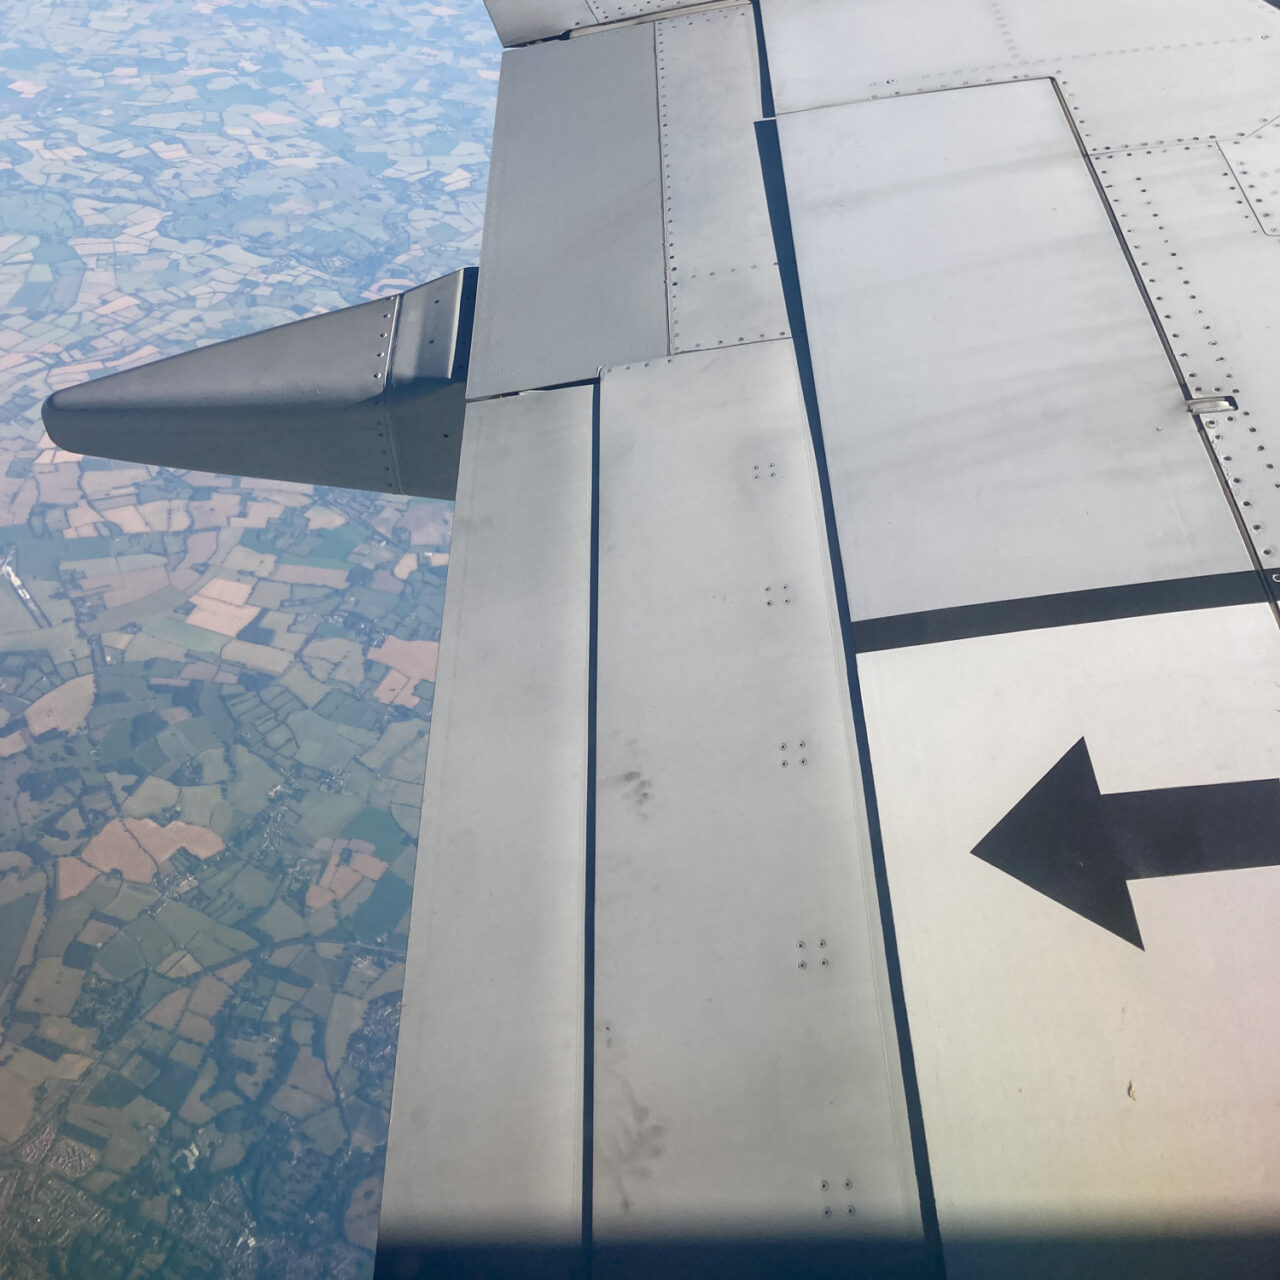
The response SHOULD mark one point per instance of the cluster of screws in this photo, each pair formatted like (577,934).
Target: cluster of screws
(828,1211)
(823,963)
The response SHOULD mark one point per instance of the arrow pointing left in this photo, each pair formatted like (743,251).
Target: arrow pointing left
(1067,840)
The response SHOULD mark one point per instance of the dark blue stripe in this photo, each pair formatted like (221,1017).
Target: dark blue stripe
(1063,609)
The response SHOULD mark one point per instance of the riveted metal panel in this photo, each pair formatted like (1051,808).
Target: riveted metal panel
(1092,27)
(1140,73)
(618,10)
(1255,162)
(828,51)
(486,1129)
(1075,1085)
(1000,417)
(1183,95)
(746,1069)
(1215,279)
(573,275)
(519,21)
(722,273)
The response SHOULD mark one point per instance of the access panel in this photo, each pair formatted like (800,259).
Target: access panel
(723,285)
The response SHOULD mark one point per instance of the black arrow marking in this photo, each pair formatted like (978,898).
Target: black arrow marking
(1067,840)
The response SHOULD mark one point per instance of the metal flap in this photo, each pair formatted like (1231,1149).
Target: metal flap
(520,21)
(573,243)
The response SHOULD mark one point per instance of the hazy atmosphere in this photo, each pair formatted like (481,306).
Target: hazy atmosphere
(214,693)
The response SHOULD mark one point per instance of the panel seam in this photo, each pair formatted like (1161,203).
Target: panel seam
(589,852)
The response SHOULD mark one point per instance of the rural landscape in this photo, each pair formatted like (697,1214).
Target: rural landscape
(215,693)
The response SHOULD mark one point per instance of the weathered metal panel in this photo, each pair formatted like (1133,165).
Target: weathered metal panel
(1216,280)
(1182,95)
(1000,417)
(1075,1085)
(1140,73)
(1100,27)
(573,245)
(746,1062)
(619,10)
(723,283)
(519,21)
(486,1128)
(1255,164)
(828,51)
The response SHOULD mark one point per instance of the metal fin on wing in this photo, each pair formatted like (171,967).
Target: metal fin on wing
(520,22)
(368,397)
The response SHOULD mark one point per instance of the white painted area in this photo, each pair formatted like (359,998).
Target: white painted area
(1070,1080)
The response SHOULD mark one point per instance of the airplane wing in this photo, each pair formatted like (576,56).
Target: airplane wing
(850,821)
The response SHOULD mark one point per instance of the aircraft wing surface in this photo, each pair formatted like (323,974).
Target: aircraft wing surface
(850,822)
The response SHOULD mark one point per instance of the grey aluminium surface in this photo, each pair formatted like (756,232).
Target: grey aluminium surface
(1000,417)
(519,21)
(828,51)
(1255,164)
(620,10)
(747,1075)
(1141,73)
(1216,274)
(572,273)
(486,1128)
(367,397)
(723,282)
